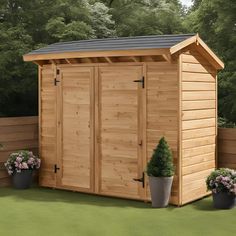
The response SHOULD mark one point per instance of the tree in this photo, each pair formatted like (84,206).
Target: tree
(215,21)
(146,17)
(28,25)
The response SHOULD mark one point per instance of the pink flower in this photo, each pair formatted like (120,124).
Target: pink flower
(24,165)
(19,159)
(30,161)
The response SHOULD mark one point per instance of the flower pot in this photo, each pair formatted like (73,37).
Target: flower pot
(160,188)
(22,180)
(223,200)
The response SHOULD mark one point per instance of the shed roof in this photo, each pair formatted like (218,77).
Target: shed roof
(138,42)
(162,45)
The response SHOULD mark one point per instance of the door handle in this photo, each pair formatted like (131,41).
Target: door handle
(140,81)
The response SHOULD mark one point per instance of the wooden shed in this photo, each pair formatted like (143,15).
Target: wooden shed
(105,103)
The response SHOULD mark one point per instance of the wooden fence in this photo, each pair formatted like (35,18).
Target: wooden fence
(15,134)
(22,133)
(227,147)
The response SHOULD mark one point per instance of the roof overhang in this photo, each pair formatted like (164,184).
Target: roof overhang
(194,41)
(113,53)
(201,47)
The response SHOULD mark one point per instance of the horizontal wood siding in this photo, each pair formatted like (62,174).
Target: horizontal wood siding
(16,134)
(198,124)
(162,112)
(227,148)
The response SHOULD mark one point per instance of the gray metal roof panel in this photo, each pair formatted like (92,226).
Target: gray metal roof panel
(125,43)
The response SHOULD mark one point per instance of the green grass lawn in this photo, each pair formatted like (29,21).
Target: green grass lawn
(47,212)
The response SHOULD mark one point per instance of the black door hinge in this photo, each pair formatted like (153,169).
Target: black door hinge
(56,168)
(56,81)
(140,81)
(141,180)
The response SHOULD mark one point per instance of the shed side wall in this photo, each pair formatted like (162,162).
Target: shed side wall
(162,112)
(199,114)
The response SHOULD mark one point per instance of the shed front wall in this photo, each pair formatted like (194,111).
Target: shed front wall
(198,124)
(119,142)
(47,126)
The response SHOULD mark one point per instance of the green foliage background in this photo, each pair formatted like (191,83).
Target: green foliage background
(28,25)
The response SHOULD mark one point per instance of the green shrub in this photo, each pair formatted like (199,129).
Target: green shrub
(161,163)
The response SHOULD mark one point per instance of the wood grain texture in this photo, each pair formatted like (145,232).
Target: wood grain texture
(77,123)
(119,130)
(16,133)
(162,112)
(112,115)
(226,148)
(48,127)
(199,124)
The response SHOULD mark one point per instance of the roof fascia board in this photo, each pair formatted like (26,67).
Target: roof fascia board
(183,44)
(110,53)
(203,49)
(211,54)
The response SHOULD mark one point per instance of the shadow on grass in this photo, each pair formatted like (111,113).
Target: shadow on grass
(55,195)
(204,204)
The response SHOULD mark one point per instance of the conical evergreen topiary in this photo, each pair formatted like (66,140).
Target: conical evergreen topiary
(161,163)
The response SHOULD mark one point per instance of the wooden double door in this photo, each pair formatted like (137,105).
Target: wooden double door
(99,138)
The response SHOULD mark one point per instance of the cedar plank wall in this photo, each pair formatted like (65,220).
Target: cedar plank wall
(227,148)
(48,133)
(198,124)
(162,113)
(16,134)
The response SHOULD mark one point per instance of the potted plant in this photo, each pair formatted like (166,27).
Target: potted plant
(160,170)
(222,183)
(20,166)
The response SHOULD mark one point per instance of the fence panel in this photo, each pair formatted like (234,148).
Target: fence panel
(16,133)
(227,147)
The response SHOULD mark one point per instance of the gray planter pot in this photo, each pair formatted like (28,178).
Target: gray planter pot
(223,200)
(160,188)
(22,180)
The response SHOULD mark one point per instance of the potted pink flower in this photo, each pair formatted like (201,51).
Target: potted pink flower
(222,183)
(20,165)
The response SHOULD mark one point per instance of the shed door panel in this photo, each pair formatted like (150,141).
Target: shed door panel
(48,133)
(77,146)
(118,124)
